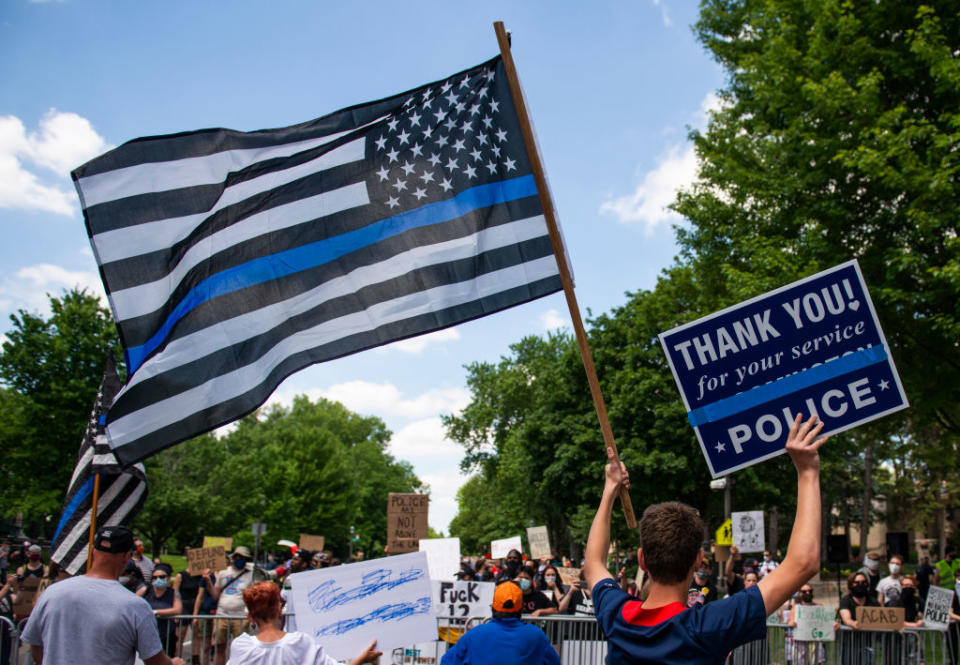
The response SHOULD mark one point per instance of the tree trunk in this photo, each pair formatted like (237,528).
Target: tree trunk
(867,497)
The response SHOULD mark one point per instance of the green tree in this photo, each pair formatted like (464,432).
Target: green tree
(50,368)
(313,467)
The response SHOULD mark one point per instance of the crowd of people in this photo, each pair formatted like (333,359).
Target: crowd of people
(674,611)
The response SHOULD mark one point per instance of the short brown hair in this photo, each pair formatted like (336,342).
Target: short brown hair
(853,578)
(670,534)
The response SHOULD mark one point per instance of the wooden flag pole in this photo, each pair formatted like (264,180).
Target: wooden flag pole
(559,253)
(93,518)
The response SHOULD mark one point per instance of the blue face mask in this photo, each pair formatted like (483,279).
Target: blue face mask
(239,563)
(159,582)
(524,584)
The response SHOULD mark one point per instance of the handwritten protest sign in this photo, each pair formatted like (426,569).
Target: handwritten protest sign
(748,531)
(443,557)
(201,558)
(539,541)
(213,541)
(311,542)
(813,347)
(880,618)
(459,600)
(814,623)
(347,607)
(26,592)
(406,521)
(500,548)
(569,576)
(936,615)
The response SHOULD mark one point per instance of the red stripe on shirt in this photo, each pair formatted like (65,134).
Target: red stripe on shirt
(633,613)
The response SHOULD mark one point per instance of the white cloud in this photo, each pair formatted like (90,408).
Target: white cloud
(383,399)
(416,345)
(28,287)
(665,15)
(676,169)
(552,319)
(424,439)
(61,142)
(443,496)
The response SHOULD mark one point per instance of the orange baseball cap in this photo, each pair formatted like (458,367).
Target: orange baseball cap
(507,597)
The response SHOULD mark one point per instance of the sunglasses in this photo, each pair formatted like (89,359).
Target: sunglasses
(159,577)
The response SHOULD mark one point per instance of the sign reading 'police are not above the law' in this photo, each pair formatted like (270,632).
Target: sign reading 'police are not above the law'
(812,347)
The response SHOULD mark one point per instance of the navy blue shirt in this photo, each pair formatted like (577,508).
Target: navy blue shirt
(702,634)
(500,642)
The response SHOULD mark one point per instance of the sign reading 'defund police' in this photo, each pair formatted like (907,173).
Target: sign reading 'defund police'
(811,347)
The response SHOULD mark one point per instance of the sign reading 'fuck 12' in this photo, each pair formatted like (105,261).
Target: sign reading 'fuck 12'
(813,347)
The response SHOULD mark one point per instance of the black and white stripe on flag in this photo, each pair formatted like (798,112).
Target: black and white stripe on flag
(122,491)
(234,259)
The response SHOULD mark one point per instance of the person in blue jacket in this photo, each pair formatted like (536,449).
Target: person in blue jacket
(662,629)
(505,639)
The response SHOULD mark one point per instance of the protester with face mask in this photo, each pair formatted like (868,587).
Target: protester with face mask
(165,602)
(888,589)
(143,562)
(768,565)
(871,570)
(131,579)
(804,652)
(535,602)
(511,566)
(34,565)
(859,596)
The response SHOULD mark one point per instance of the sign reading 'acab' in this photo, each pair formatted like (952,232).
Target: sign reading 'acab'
(812,347)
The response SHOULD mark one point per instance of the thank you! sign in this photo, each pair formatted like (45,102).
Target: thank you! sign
(813,347)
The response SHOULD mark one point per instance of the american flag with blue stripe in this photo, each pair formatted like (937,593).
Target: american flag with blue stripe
(233,259)
(122,490)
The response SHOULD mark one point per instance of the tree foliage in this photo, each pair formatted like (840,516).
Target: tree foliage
(50,369)
(313,467)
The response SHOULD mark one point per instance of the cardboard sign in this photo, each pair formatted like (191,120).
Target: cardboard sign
(26,593)
(406,521)
(814,623)
(499,549)
(748,531)
(311,543)
(539,541)
(213,541)
(443,557)
(936,614)
(724,534)
(201,558)
(813,346)
(569,576)
(461,600)
(347,607)
(880,618)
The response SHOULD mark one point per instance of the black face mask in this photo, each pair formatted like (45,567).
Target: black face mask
(806,596)
(907,593)
(512,566)
(860,590)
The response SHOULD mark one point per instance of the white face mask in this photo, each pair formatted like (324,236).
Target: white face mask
(894,568)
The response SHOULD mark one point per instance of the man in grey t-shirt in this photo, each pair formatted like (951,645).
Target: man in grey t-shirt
(92,618)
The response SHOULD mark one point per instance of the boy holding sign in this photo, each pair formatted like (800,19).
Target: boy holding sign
(662,629)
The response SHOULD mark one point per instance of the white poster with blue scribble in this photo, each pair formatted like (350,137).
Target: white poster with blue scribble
(346,607)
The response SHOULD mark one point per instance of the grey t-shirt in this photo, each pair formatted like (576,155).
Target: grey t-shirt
(89,620)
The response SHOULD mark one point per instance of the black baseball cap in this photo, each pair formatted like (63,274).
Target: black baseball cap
(114,539)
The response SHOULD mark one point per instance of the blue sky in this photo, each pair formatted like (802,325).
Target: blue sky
(612,88)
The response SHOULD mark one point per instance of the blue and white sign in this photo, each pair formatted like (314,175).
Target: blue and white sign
(814,346)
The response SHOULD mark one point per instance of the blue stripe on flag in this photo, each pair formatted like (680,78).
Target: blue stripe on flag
(787,385)
(317,253)
(82,495)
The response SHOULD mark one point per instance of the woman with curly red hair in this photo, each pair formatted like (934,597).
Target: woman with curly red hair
(271,645)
